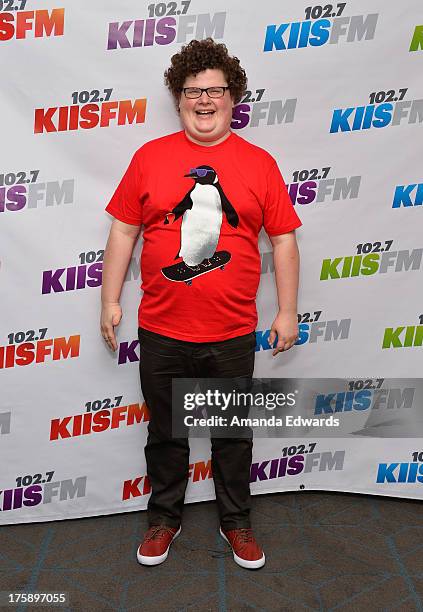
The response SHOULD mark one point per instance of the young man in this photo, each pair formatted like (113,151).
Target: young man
(202,195)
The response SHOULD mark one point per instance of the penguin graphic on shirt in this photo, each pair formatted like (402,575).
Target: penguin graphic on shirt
(202,209)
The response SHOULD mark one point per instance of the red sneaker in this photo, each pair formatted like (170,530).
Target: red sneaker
(247,553)
(155,547)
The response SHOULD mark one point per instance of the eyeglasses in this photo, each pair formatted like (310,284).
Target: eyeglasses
(212,92)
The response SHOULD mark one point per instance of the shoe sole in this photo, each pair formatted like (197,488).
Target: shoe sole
(243,562)
(144,560)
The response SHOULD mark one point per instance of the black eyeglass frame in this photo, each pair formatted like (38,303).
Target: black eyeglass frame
(224,87)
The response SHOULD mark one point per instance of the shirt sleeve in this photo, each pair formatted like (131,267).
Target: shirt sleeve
(125,204)
(279,216)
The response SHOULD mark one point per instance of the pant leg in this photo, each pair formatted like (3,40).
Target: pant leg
(231,457)
(162,359)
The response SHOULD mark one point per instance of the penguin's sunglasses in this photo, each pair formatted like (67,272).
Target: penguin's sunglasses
(199,171)
(197,92)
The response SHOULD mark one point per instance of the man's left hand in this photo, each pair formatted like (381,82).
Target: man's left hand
(286,327)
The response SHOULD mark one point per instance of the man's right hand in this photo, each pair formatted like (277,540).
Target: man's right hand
(111,315)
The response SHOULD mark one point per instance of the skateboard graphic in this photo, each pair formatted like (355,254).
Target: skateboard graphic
(180,272)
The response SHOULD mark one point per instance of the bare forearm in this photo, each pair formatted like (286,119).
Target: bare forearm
(287,262)
(117,255)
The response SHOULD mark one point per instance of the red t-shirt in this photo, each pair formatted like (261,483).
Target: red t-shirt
(200,266)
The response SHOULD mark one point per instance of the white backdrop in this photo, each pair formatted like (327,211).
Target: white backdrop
(342,101)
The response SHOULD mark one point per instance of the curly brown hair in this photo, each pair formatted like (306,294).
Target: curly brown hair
(199,55)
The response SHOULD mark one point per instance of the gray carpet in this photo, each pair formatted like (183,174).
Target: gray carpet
(325,551)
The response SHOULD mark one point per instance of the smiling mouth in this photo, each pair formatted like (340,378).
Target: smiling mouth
(205,113)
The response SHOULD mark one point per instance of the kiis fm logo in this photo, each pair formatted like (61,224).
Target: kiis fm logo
(313,186)
(127,352)
(17,23)
(311,329)
(401,472)
(32,490)
(404,336)
(267,263)
(164,24)
(323,25)
(404,195)
(269,469)
(302,460)
(5,421)
(417,40)
(252,111)
(88,273)
(371,258)
(25,348)
(19,190)
(386,108)
(141,485)
(95,422)
(90,109)
(373,397)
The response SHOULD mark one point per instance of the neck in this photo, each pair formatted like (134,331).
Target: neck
(208,143)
